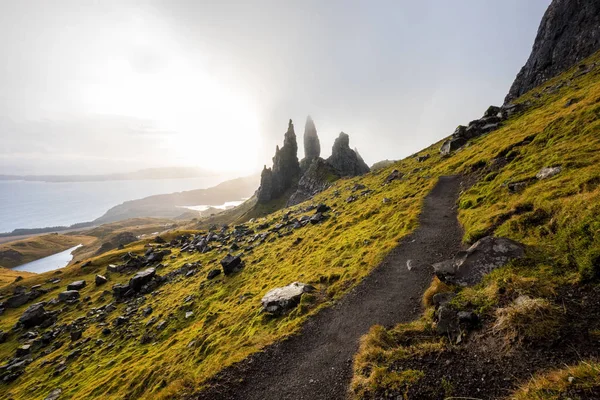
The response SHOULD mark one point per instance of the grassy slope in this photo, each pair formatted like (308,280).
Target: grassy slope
(37,247)
(559,219)
(227,325)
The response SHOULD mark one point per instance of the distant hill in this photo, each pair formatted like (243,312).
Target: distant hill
(171,205)
(150,173)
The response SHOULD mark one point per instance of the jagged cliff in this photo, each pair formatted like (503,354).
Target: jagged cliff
(568,33)
(286,169)
(313,174)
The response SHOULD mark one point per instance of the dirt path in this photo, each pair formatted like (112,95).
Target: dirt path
(317,363)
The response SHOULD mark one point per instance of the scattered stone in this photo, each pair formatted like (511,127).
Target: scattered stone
(548,172)
(54,394)
(277,301)
(35,315)
(120,321)
(422,158)
(469,267)
(23,350)
(100,280)
(189,314)
(395,174)
(141,278)
(77,285)
(68,295)
(231,264)
(76,334)
(213,273)
(322,208)
(318,217)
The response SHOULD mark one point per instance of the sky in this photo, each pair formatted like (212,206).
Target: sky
(91,87)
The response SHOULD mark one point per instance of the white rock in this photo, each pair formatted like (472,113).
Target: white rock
(548,172)
(281,299)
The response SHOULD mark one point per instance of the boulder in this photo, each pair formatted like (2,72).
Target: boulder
(17,300)
(548,172)
(141,278)
(318,217)
(469,267)
(282,299)
(120,290)
(35,315)
(77,285)
(452,144)
(68,295)
(395,174)
(231,264)
(100,280)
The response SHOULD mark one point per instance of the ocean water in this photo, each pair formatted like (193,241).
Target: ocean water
(26,204)
(55,261)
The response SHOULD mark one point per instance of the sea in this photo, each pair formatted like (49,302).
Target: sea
(25,204)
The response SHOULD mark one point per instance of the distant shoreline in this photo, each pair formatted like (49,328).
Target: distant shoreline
(145,174)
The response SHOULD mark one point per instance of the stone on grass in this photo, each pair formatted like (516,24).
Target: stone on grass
(77,285)
(231,264)
(548,172)
(68,295)
(279,300)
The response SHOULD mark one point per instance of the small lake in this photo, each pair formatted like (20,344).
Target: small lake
(224,206)
(55,261)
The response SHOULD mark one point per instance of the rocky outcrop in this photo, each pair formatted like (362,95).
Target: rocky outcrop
(469,267)
(345,160)
(491,120)
(568,33)
(312,146)
(317,178)
(285,172)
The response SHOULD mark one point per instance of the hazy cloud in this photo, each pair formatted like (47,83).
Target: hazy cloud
(110,85)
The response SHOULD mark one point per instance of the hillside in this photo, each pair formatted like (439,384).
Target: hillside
(150,333)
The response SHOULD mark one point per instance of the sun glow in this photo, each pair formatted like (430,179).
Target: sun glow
(198,121)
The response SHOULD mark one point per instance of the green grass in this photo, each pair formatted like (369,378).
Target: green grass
(562,226)
(228,325)
(558,218)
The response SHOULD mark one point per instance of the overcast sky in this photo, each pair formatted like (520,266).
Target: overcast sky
(105,86)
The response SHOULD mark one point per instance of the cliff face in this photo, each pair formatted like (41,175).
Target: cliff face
(285,172)
(568,33)
(345,160)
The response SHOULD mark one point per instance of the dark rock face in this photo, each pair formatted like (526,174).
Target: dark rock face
(285,172)
(568,33)
(312,146)
(469,267)
(317,178)
(345,160)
